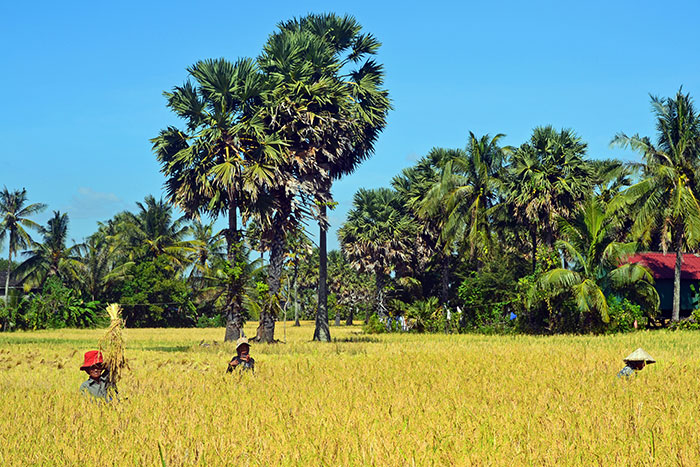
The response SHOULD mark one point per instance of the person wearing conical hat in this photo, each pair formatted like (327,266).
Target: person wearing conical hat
(97,385)
(242,360)
(635,362)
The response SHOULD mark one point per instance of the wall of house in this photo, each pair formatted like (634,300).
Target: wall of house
(665,289)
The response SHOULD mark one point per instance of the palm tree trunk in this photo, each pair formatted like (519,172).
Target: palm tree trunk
(444,279)
(7,279)
(296,299)
(322,332)
(534,249)
(337,318)
(266,328)
(381,307)
(676,313)
(234,294)
(351,312)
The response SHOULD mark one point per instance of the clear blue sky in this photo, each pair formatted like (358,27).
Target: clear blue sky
(81,81)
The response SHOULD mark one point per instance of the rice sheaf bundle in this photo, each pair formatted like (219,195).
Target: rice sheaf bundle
(112,345)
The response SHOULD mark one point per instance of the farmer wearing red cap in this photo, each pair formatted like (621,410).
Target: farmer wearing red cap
(98,384)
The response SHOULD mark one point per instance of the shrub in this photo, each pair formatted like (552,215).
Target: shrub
(374,326)
(216,321)
(57,306)
(622,314)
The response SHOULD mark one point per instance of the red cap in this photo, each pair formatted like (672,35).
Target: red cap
(93,357)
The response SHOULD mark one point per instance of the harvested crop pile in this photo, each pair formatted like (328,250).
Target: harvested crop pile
(112,345)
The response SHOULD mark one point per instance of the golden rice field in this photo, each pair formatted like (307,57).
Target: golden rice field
(364,400)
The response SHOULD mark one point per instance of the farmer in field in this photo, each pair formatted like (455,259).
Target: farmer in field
(242,360)
(98,384)
(635,362)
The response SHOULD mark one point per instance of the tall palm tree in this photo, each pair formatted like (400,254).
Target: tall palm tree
(596,263)
(329,114)
(548,177)
(214,166)
(15,219)
(376,237)
(666,199)
(51,257)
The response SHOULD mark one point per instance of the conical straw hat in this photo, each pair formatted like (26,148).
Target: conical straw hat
(639,355)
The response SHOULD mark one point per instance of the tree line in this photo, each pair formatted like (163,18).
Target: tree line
(533,237)
(488,237)
(164,269)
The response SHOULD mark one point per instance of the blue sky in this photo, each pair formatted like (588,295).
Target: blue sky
(82,82)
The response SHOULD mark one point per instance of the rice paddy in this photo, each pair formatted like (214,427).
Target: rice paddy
(362,400)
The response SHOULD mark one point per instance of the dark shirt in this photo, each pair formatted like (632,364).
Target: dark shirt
(100,388)
(627,371)
(241,364)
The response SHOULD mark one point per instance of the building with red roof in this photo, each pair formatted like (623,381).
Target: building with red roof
(663,268)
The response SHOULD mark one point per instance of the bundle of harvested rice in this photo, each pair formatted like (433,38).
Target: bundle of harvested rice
(112,345)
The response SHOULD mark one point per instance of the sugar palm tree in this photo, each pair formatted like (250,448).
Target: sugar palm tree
(14,219)
(329,114)
(666,199)
(548,178)
(597,264)
(215,166)
(376,237)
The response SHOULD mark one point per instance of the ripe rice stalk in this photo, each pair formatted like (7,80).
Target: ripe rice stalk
(112,345)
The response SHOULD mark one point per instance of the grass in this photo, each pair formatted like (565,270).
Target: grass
(388,400)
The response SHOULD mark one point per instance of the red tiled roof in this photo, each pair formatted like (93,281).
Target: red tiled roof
(663,265)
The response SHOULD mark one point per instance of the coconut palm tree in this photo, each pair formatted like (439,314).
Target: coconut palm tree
(99,265)
(468,188)
(611,177)
(666,199)
(52,257)
(209,250)
(376,237)
(13,221)
(596,263)
(154,231)
(421,194)
(216,165)
(328,113)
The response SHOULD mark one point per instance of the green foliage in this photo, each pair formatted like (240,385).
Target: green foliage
(692,322)
(623,314)
(217,321)
(3,267)
(374,326)
(486,298)
(426,315)
(154,297)
(536,309)
(56,306)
